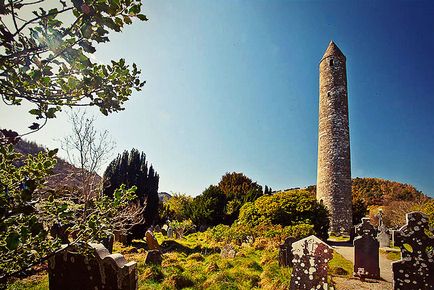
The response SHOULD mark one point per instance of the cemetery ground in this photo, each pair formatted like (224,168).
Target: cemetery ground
(195,262)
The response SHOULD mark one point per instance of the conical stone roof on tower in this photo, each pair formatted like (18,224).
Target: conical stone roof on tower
(334,166)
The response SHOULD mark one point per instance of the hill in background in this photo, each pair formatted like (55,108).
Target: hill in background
(64,173)
(378,191)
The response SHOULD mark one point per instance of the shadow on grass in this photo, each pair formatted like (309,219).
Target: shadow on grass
(173,246)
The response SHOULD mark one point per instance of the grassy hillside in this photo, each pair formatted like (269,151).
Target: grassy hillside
(195,263)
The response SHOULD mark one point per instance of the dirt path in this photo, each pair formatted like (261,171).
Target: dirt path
(347,251)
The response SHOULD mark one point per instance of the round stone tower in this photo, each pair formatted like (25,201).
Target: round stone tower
(334,167)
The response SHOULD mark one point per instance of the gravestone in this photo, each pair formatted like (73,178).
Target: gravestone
(383,238)
(415,270)
(383,235)
(285,252)
(310,264)
(151,241)
(366,251)
(71,269)
(169,232)
(228,251)
(153,257)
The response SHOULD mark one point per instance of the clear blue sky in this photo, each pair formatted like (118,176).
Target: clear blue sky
(233,86)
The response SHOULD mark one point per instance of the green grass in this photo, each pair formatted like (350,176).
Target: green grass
(339,266)
(188,267)
(339,238)
(35,282)
(392,255)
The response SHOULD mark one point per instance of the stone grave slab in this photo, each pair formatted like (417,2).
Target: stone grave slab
(151,241)
(366,251)
(415,270)
(285,252)
(71,269)
(310,264)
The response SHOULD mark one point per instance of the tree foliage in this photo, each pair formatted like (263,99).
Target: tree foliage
(208,209)
(23,238)
(45,58)
(359,210)
(31,227)
(376,191)
(131,169)
(177,208)
(286,208)
(238,189)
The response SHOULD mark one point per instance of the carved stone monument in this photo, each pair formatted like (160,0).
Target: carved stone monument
(383,235)
(151,241)
(153,257)
(70,269)
(415,270)
(310,264)
(285,252)
(366,251)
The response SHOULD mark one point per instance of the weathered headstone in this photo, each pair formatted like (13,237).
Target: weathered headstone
(383,238)
(71,269)
(285,252)
(151,241)
(415,270)
(153,257)
(366,251)
(169,232)
(228,251)
(310,264)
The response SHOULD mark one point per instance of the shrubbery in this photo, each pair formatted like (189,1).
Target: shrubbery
(239,233)
(286,208)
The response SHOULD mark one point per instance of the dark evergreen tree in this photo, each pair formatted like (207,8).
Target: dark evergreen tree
(131,168)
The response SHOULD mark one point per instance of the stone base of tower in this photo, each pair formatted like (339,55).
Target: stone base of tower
(340,211)
(340,227)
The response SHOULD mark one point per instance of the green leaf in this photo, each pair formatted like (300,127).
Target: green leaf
(142,17)
(135,9)
(127,20)
(12,241)
(35,112)
(53,152)
(51,113)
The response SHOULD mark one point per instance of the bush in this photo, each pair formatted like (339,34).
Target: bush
(287,209)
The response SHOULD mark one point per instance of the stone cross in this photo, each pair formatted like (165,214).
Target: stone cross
(95,268)
(366,251)
(285,252)
(415,270)
(310,264)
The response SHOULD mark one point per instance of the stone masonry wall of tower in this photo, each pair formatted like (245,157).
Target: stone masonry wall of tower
(334,167)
